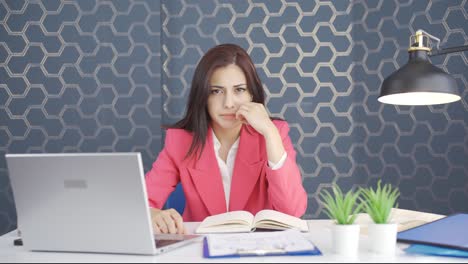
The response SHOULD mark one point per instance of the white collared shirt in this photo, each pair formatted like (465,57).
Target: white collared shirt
(226,168)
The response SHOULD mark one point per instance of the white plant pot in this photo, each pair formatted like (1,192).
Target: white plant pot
(382,238)
(345,239)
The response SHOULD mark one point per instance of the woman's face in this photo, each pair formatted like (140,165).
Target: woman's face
(228,91)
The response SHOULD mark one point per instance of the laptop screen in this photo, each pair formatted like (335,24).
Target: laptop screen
(84,202)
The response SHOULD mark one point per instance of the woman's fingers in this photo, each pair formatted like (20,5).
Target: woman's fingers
(161,223)
(240,115)
(170,224)
(179,222)
(156,229)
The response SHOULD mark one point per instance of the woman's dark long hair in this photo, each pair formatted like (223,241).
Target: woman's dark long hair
(197,118)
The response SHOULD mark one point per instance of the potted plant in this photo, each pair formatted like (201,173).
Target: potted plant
(378,205)
(343,208)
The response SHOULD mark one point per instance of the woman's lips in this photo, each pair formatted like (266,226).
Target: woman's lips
(229,116)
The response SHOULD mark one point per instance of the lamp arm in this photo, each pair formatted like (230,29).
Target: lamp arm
(448,50)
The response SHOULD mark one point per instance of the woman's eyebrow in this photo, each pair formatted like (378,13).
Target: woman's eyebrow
(222,87)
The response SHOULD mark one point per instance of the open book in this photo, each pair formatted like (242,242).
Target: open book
(243,221)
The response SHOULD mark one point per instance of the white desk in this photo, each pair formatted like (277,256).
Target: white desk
(319,232)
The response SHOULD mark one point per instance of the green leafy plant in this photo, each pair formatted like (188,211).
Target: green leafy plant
(341,207)
(379,203)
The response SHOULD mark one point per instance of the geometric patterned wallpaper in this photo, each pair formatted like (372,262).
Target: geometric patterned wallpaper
(78,76)
(102,76)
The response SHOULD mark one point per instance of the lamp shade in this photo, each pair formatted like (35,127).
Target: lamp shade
(419,83)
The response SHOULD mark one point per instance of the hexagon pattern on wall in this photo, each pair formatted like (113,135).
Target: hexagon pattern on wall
(78,76)
(99,75)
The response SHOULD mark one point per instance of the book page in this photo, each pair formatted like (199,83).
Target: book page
(405,219)
(271,219)
(236,221)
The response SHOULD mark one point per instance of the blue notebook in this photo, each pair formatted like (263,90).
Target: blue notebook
(436,251)
(448,232)
(278,243)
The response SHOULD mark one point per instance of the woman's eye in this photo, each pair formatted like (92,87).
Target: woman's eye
(241,90)
(216,91)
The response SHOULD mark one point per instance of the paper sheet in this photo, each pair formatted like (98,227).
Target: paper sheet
(260,243)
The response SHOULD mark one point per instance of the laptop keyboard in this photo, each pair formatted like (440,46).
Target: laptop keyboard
(163,240)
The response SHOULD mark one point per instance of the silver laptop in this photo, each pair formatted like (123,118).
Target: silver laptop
(86,202)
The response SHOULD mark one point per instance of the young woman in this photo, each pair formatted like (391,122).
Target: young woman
(227,152)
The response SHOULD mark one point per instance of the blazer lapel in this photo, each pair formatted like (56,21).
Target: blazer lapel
(247,168)
(207,179)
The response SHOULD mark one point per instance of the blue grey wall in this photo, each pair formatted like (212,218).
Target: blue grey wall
(97,75)
(78,76)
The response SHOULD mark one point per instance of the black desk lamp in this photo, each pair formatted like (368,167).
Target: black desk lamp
(419,82)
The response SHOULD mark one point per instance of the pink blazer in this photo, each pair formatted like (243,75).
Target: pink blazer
(254,185)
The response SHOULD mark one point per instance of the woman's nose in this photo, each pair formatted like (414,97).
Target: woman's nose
(229,101)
